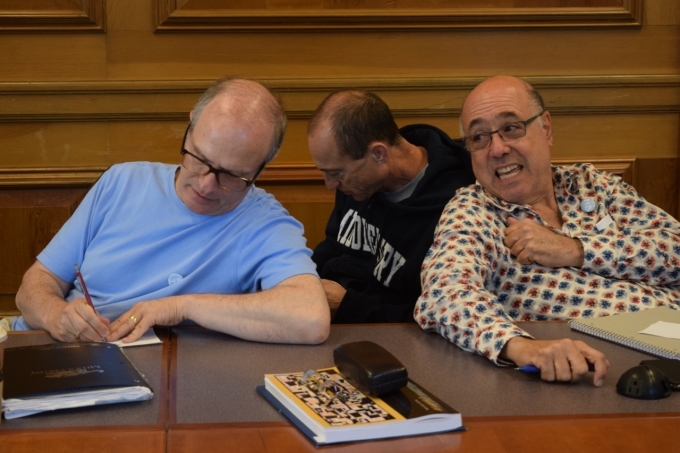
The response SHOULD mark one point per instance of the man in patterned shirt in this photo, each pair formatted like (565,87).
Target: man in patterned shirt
(530,241)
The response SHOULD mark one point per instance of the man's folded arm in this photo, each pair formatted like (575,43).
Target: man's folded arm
(294,311)
(456,304)
(478,324)
(469,318)
(454,300)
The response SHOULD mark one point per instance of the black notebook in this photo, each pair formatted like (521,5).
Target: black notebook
(624,329)
(67,375)
(325,420)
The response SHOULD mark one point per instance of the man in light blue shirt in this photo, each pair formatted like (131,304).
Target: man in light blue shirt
(160,244)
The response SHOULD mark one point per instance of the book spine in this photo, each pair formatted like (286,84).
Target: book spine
(623,341)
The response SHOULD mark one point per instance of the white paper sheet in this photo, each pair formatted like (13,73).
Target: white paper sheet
(148,338)
(663,329)
(16,408)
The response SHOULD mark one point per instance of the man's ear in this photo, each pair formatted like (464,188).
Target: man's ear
(191,116)
(547,127)
(378,152)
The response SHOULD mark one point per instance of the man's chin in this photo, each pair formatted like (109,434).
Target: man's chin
(356,196)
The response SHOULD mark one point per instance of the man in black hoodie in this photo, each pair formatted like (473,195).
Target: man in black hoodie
(392,185)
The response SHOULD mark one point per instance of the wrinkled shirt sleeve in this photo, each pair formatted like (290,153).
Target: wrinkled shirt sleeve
(455,274)
(642,243)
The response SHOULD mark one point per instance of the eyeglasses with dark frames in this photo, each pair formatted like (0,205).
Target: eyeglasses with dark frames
(508,132)
(225,179)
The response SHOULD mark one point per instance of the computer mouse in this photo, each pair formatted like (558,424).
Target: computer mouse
(644,382)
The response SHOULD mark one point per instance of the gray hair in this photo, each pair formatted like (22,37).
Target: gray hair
(270,102)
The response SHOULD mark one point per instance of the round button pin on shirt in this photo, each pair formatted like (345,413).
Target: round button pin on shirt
(588,205)
(174,278)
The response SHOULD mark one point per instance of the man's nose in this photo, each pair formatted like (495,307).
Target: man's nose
(331,183)
(498,146)
(207,182)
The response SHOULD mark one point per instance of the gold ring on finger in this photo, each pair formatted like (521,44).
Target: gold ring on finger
(134,319)
(77,335)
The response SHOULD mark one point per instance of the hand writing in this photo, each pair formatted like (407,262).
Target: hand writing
(77,321)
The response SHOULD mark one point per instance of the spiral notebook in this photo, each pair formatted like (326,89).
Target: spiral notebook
(624,329)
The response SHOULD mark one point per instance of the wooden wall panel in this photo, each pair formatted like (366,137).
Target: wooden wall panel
(26,57)
(308,202)
(73,103)
(101,123)
(87,147)
(89,101)
(54,144)
(657,180)
(643,135)
(29,218)
(403,15)
(651,50)
(662,13)
(49,16)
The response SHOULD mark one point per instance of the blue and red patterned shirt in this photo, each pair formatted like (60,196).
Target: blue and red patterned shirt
(474,289)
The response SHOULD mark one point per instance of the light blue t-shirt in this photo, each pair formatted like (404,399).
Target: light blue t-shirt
(135,240)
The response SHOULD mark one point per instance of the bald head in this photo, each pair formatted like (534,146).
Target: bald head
(509,136)
(354,119)
(247,104)
(494,89)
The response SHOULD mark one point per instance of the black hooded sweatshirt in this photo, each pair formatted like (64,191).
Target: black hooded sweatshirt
(375,248)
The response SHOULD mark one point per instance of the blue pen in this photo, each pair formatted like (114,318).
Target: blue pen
(533,369)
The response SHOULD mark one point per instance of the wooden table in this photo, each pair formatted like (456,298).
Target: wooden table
(605,434)
(504,410)
(210,403)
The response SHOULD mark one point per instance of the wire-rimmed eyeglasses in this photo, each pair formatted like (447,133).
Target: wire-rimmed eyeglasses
(508,132)
(327,390)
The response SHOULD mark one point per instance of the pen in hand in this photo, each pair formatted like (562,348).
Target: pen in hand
(533,369)
(79,276)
